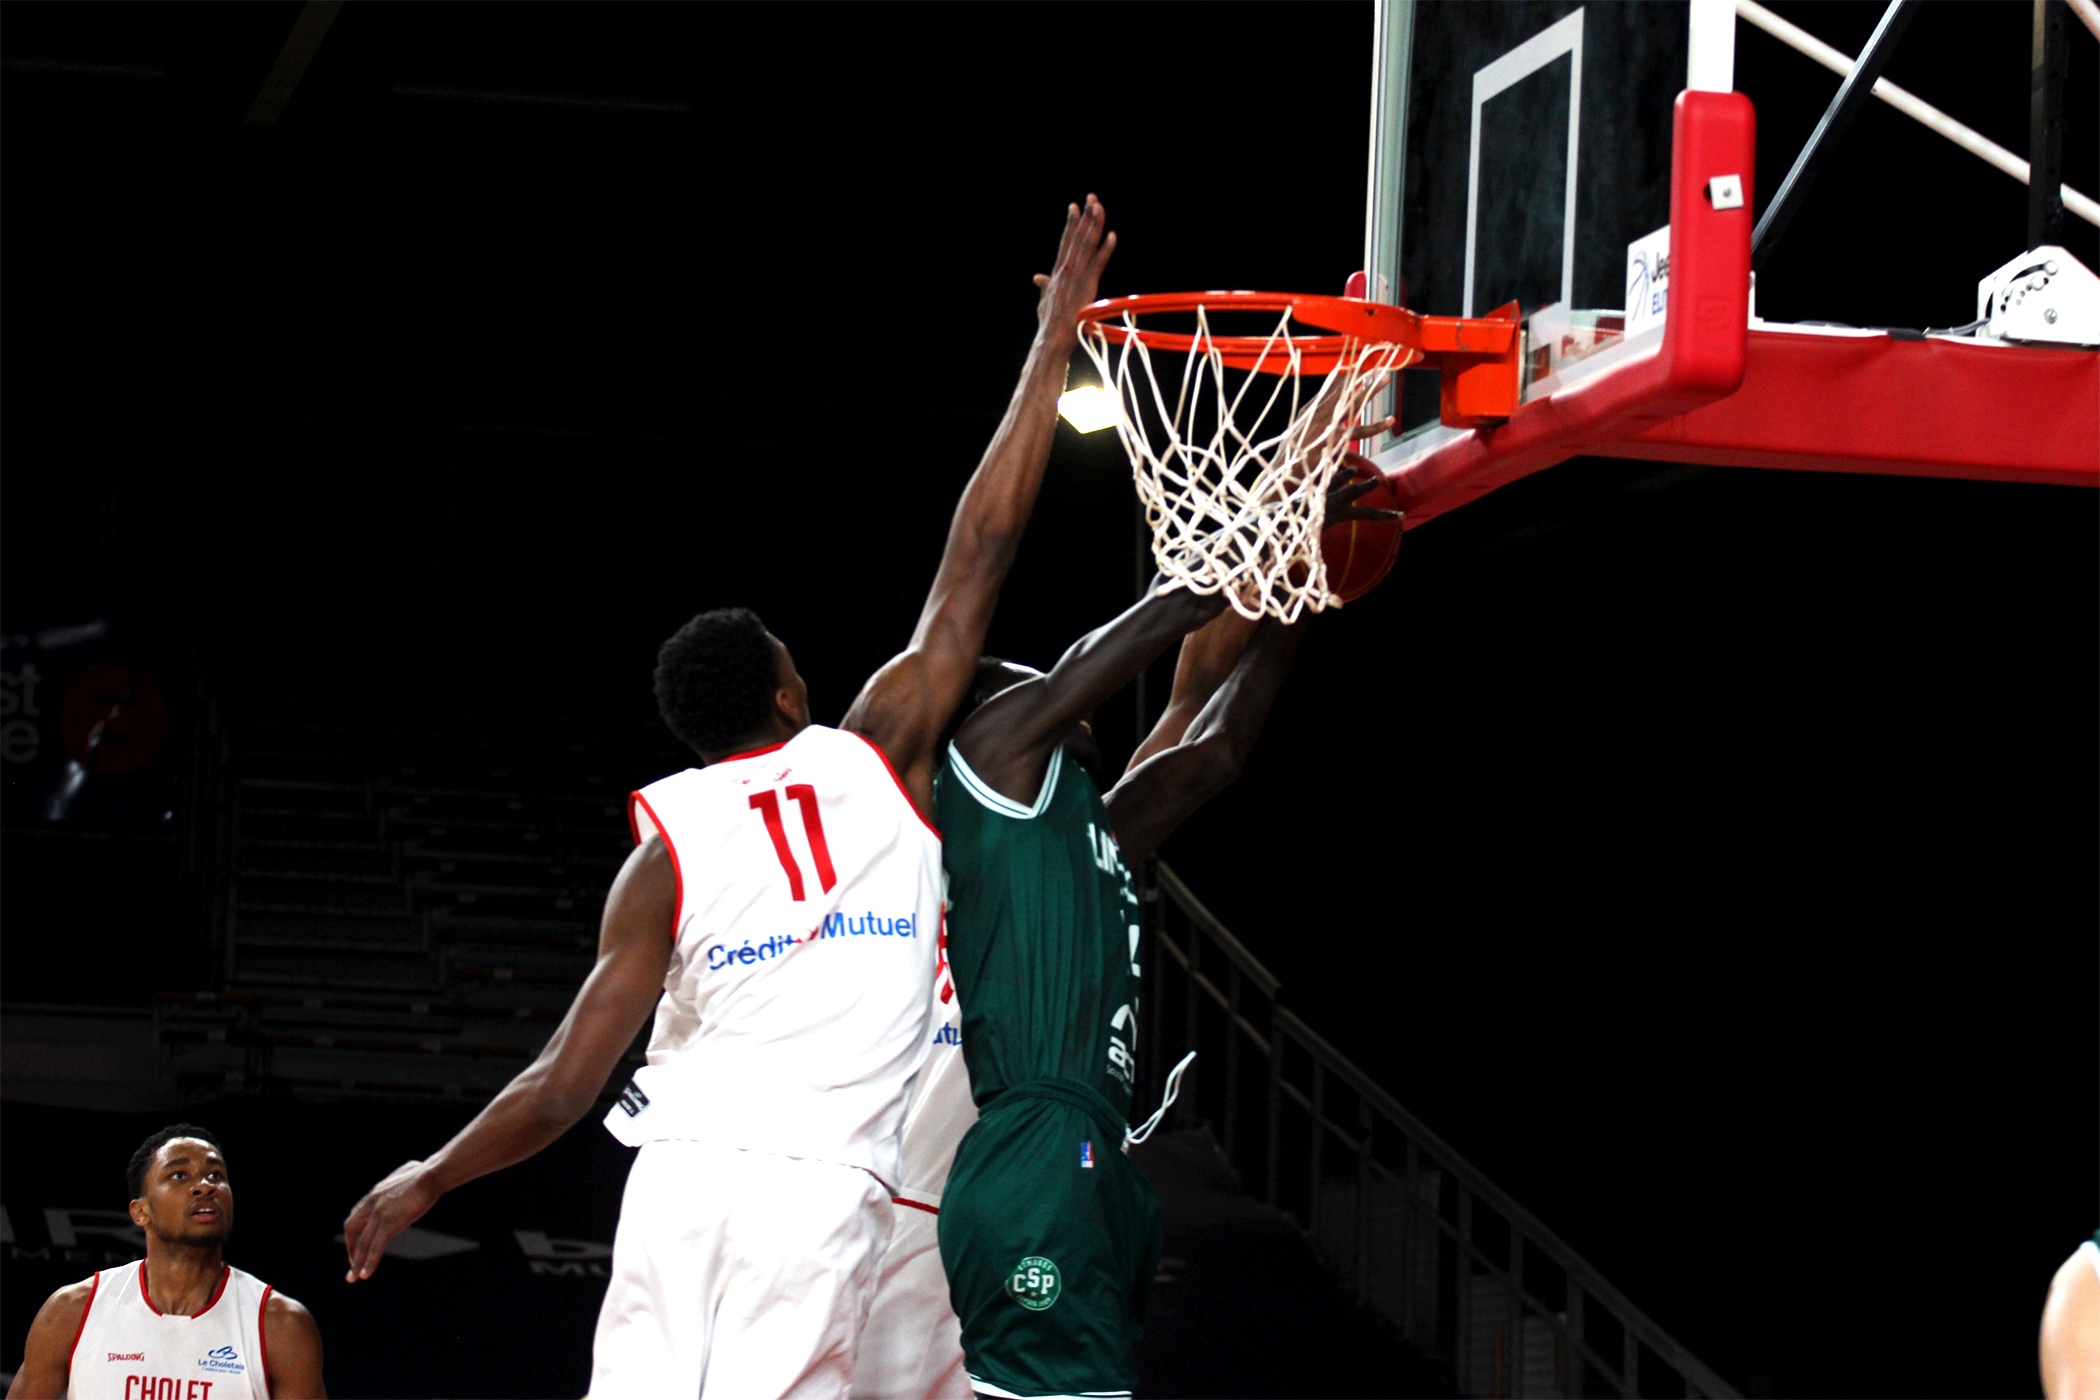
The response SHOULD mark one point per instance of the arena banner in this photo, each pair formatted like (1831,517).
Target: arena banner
(89,729)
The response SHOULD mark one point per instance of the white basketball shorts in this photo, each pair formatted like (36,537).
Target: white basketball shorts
(912,1347)
(740,1275)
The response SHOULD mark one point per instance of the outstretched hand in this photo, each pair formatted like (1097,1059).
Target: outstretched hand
(1076,280)
(397,1202)
(1356,477)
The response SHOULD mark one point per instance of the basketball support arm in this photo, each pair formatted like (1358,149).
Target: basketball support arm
(1852,94)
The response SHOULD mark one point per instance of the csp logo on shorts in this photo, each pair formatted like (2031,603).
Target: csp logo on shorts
(1035,1283)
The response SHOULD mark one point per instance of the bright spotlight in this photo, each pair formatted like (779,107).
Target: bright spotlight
(1088,408)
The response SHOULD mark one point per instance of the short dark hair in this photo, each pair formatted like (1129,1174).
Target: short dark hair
(993,675)
(715,679)
(142,1160)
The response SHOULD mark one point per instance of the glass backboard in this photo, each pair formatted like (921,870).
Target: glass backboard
(1520,147)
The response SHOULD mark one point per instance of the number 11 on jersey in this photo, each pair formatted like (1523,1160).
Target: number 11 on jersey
(767,804)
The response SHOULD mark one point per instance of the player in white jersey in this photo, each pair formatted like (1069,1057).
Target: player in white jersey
(912,1346)
(182,1323)
(781,915)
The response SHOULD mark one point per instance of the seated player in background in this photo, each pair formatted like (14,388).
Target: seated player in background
(1048,1237)
(780,914)
(2071,1327)
(181,1321)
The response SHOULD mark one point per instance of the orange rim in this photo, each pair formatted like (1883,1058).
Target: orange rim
(1359,323)
(1352,324)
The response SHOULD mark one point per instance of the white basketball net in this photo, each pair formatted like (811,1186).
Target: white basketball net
(1234,480)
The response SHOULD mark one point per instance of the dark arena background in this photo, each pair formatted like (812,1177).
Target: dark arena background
(1705,855)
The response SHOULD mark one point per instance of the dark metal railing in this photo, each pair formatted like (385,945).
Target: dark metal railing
(1416,1233)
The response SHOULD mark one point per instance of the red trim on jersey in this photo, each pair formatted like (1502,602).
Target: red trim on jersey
(216,1292)
(915,1205)
(225,1273)
(753,753)
(94,1284)
(262,1333)
(943,975)
(677,871)
(892,769)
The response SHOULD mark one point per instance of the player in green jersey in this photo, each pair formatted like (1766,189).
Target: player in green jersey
(1048,1235)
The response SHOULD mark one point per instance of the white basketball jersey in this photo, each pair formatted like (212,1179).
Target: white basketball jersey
(941,1111)
(127,1349)
(797,1006)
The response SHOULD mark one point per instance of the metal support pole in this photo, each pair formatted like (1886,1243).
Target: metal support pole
(1417,1239)
(1364,1124)
(1462,1280)
(1232,1064)
(1152,917)
(1578,1365)
(1515,1369)
(1318,1145)
(2049,63)
(1192,1029)
(1275,1165)
(1852,94)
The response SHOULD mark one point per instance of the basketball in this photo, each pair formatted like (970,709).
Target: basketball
(1360,553)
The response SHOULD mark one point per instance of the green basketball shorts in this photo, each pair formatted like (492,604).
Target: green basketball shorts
(1050,1240)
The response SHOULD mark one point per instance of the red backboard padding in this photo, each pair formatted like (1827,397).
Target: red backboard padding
(1937,407)
(1702,354)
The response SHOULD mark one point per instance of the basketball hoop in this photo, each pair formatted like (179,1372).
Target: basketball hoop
(1233,469)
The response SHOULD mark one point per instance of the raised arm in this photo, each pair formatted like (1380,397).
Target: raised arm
(1008,741)
(1159,793)
(1211,653)
(905,705)
(560,1086)
(1208,656)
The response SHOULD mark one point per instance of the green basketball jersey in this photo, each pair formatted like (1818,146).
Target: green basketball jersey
(1042,933)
